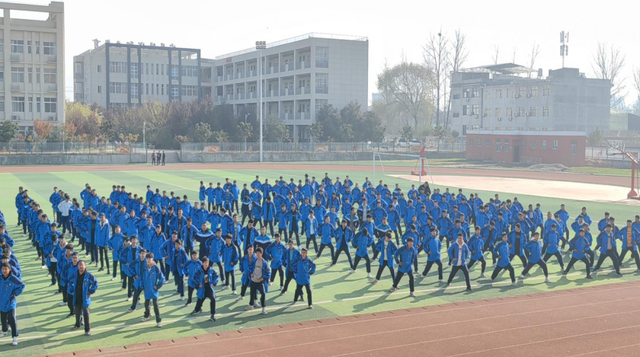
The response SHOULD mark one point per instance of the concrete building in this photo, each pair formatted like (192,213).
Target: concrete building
(531,147)
(300,75)
(122,75)
(505,97)
(32,64)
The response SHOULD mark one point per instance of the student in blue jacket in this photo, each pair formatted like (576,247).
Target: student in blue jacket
(290,256)
(579,246)
(190,269)
(311,230)
(103,234)
(259,274)
(387,251)
(501,250)
(343,236)
(152,280)
(551,247)
(10,287)
(82,284)
(607,242)
(362,242)
(303,268)
(476,246)
(178,262)
(206,280)
(534,247)
(629,238)
(432,246)
(138,283)
(274,252)
(230,256)
(404,257)
(459,253)
(114,244)
(326,235)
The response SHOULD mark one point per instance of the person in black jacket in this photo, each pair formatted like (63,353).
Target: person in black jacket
(163,157)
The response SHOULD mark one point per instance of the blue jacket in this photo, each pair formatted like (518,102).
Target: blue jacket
(190,269)
(311,223)
(10,287)
(501,249)
(289,258)
(181,261)
(103,233)
(579,246)
(247,267)
(325,231)
(214,249)
(150,278)
(115,242)
(128,256)
(274,252)
(137,268)
(604,242)
(155,244)
(343,237)
(199,277)
(89,287)
(302,270)
(476,246)
(512,242)
(391,251)
(635,237)
(432,246)
(361,242)
(551,240)
(458,252)
(405,256)
(230,256)
(268,211)
(535,248)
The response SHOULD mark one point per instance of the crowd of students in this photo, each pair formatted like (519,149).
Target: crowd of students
(143,241)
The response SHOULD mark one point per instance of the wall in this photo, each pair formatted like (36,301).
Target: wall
(300,156)
(59,159)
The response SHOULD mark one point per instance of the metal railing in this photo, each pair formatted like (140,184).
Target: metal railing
(39,148)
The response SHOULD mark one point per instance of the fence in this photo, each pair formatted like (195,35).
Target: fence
(213,148)
(607,153)
(39,148)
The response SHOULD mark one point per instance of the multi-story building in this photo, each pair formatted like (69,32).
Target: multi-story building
(32,64)
(299,76)
(122,75)
(505,97)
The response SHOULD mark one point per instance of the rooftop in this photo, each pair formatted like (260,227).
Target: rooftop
(526,132)
(503,68)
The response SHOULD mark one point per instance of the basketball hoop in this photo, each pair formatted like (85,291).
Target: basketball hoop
(619,146)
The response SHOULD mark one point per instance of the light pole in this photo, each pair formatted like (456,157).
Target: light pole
(260,45)
(144,139)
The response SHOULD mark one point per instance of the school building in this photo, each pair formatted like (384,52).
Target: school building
(32,85)
(530,147)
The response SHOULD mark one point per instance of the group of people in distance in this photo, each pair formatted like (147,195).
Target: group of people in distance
(143,241)
(157,159)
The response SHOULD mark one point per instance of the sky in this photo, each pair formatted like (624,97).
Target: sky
(395,28)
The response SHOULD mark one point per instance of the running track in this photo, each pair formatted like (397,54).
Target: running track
(591,321)
(315,169)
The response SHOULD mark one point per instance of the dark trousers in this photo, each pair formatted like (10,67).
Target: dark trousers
(280,272)
(523,259)
(430,264)
(385,264)
(243,289)
(208,294)
(287,280)
(557,255)
(366,259)
(115,268)
(179,281)
(221,270)
(483,264)
(52,272)
(9,320)
(231,276)
(255,288)
(330,245)
(292,232)
(541,264)
(104,255)
(234,206)
(454,271)
(312,238)
(634,255)
(283,233)
(136,297)
(344,249)
(614,258)
(189,294)
(299,293)
(129,286)
(399,277)
(66,224)
(70,304)
(265,222)
(497,271)
(586,262)
(156,309)
(92,250)
(82,313)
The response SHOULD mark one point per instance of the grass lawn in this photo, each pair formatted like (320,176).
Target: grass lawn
(44,328)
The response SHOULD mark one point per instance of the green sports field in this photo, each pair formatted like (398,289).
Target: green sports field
(44,328)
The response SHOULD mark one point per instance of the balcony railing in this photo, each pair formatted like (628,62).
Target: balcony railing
(303,90)
(304,64)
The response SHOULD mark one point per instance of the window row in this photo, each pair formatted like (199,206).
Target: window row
(150,89)
(505,146)
(18,105)
(470,110)
(18,75)
(517,92)
(147,69)
(18,47)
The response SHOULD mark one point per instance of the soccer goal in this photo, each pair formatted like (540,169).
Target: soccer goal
(396,163)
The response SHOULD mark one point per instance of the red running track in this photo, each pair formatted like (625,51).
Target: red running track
(592,321)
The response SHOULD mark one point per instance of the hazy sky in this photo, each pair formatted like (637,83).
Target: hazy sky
(394,27)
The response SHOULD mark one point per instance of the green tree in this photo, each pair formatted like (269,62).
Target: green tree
(407,132)
(220,136)
(316,131)
(455,134)
(202,132)
(439,133)
(595,137)
(8,130)
(275,130)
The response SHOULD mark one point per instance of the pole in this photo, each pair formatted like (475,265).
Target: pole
(144,139)
(260,99)
(421,168)
(374,166)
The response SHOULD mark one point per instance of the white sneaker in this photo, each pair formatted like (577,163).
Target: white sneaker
(412,295)
(256,305)
(2,334)
(368,275)
(113,279)
(182,298)
(310,307)
(482,276)
(264,311)
(144,319)
(249,308)
(240,298)
(441,281)
(159,325)
(234,293)
(353,271)
(546,280)
(43,267)
(270,283)
(392,289)
(374,281)
(224,287)
(521,276)
(515,283)
(129,299)
(15,341)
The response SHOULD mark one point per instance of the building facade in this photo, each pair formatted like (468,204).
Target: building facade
(123,75)
(530,147)
(505,97)
(32,64)
(299,76)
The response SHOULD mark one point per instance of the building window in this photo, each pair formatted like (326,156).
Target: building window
(470,141)
(533,143)
(533,111)
(498,93)
(322,57)
(466,93)
(475,92)
(146,66)
(38,75)
(146,89)
(520,111)
(118,67)
(456,115)
(487,94)
(522,91)
(2,106)
(17,104)
(157,89)
(509,112)
(190,91)
(487,112)
(30,75)
(534,91)
(30,104)
(508,93)
(506,145)
(162,87)
(545,111)
(480,143)
(118,88)
(487,143)
(1,47)
(29,47)
(38,105)
(545,91)
(50,75)
(50,105)
(498,145)
(134,89)
(162,69)
(134,70)
(157,69)
(498,112)
(37,47)
(17,46)
(189,71)
(476,109)
(574,147)
(49,48)
(174,72)
(1,73)
(554,144)
(544,144)
(99,68)
(322,83)
(99,89)
(17,75)
(465,110)
(175,92)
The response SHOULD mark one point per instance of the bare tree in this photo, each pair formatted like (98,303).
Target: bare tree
(496,54)
(636,85)
(513,59)
(457,57)
(535,51)
(436,57)
(608,63)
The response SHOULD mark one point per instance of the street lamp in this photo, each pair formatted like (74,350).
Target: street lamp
(260,45)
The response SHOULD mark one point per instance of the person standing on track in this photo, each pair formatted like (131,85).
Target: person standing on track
(163,157)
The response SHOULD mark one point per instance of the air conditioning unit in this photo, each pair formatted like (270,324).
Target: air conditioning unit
(51,118)
(15,117)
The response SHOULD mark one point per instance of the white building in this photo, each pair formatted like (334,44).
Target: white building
(32,64)
(300,75)
(122,75)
